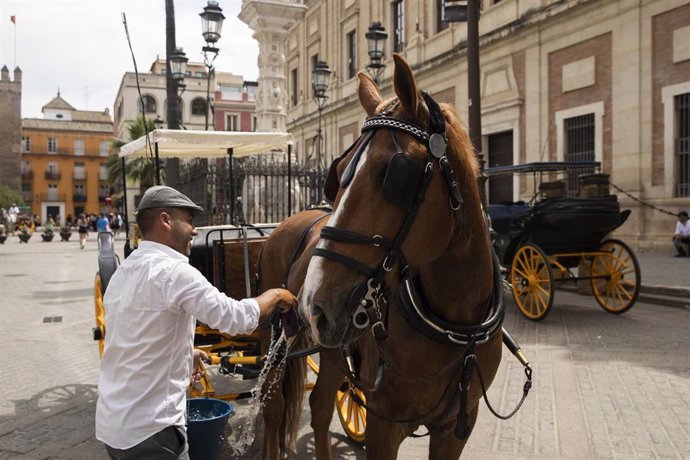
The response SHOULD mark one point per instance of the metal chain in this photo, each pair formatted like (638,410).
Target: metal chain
(382,121)
(643,203)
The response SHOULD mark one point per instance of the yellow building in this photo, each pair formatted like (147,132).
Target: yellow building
(63,161)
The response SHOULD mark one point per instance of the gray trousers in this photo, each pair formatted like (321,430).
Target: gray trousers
(168,444)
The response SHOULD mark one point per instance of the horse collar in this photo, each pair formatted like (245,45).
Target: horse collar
(416,311)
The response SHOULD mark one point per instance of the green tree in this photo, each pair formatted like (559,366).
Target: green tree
(141,169)
(8,196)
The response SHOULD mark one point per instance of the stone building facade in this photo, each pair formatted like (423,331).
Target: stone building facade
(607,80)
(10,128)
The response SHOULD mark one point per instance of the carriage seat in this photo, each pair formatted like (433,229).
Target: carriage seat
(503,214)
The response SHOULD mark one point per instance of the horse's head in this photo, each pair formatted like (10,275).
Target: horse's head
(394,205)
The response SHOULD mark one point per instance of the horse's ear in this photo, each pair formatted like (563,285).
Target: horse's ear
(369,95)
(405,85)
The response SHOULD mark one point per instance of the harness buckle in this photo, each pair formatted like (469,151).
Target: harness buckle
(378,329)
(385,265)
(360,318)
(376,240)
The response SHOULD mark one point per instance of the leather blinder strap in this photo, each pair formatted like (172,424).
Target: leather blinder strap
(334,256)
(348,236)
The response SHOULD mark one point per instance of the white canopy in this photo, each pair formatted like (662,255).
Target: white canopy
(206,144)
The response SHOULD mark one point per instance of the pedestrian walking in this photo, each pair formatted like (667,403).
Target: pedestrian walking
(152,303)
(681,237)
(83,229)
(102,224)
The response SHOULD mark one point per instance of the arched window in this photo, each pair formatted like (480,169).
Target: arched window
(148,104)
(199,106)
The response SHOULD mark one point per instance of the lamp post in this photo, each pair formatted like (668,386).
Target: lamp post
(158,122)
(211,25)
(376,40)
(320,79)
(468,11)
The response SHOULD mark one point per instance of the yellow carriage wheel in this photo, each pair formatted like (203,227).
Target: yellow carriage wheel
(352,415)
(532,282)
(615,277)
(99,330)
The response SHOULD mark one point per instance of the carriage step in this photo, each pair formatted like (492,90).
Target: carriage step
(247,371)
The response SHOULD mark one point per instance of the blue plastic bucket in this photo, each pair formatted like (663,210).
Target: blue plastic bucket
(206,423)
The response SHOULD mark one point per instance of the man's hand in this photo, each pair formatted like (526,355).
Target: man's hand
(198,372)
(273,299)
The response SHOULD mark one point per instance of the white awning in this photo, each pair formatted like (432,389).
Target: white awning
(206,144)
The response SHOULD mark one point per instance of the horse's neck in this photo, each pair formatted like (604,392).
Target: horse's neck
(458,284)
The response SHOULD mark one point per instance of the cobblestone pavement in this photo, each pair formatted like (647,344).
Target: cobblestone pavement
(606,386)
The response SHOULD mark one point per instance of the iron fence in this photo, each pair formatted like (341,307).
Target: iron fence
(258,192)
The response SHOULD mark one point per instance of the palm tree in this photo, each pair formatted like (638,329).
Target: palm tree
(141,169)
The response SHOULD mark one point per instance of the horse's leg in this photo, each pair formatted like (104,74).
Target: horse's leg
(444,445)
(383,439)
(322,403)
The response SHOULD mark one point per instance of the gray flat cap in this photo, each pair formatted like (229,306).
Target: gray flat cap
(161,196)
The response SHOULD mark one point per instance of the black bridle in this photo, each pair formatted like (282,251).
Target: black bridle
(367,297)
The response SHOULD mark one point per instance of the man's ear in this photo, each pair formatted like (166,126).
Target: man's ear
(165,220)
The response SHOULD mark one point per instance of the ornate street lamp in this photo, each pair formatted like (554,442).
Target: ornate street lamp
(320,79)
(178,65)
(211,26)
(211,22)
(376,41)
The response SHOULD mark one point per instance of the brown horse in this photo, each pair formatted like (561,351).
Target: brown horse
(400,281)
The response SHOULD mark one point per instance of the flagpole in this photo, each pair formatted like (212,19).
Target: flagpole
(14,21)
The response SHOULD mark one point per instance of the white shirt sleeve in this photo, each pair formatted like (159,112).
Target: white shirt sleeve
(189,290)
(679,228)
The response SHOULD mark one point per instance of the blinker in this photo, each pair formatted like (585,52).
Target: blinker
(401,183)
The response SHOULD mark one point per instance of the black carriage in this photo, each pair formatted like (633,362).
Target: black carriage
(561,236)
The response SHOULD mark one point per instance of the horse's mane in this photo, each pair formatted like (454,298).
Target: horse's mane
(460,152)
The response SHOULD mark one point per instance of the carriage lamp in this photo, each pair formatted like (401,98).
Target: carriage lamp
(211,25)
(320,79)
(376,41)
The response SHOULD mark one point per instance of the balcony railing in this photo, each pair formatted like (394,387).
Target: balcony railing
(101,198)
(28,197)
(79,198)
(79,175)
(50,196)
(53,175)
(27,174)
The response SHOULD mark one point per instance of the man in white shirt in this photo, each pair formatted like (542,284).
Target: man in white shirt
(152,303)
(682,234)
(12,213)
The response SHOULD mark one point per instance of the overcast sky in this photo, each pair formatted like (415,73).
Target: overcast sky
(80,46)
